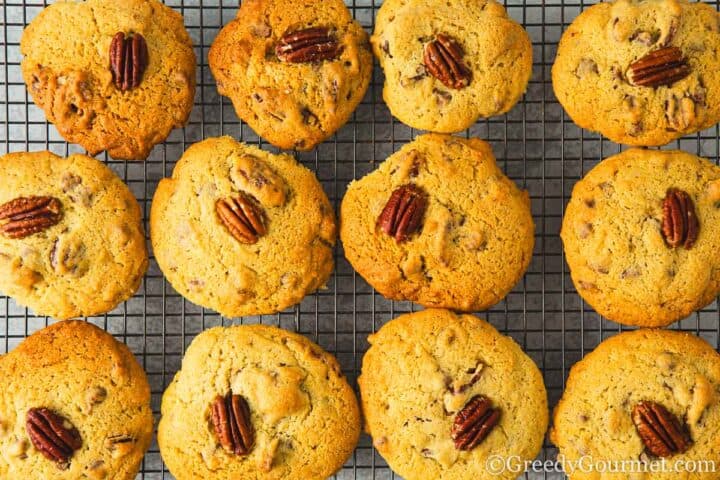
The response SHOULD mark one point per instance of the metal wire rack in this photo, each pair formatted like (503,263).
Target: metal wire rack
(536,145)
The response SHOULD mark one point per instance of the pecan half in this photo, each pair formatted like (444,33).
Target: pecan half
(306,46)
(444,60)
(403,213)
(242,217)
(53,435)
(128,60)
(231,421)
(659,67)
(659,430)
(680,224)
(474,422)
(25,216)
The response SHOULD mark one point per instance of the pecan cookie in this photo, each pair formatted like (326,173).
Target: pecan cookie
(115,75)
(642,399)
(240,230)
(294,69)
(71,238)
(444,393)
(257,401)
(641,72)
(642,236)
(75,404)
(439,224)
(449,63)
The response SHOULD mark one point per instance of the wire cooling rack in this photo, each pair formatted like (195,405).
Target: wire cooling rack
(536,145)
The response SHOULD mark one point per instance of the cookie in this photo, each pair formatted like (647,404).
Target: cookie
(114,75)
(299,418)
(295,70)
(75,404)
(438,224)
(240,230)
(641,235)
(71,238)
(449,63)
(432,380)
(612,394)
(641,73)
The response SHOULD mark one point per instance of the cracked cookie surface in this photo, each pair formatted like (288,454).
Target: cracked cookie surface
(422,369)
(619,259)
(304,413)
(88,262)
(497,52)
(201,256)
(592,78)
(677,370)
(83,374)
(66,67)
(291,105)
(475,239)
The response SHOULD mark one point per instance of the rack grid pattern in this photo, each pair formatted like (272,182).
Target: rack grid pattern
(536,144)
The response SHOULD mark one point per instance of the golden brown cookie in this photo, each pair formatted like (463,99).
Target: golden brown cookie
(75,404)
(449,63)
(444,394)
(71,238)
(294,69)
(642,236)
(115,75)
(298,416)
(240,230)
(641,72)
(439,224)
(633,397)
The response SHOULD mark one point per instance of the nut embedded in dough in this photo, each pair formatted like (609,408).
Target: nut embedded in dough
(231,422)
(52,434)
(659,68)
(680,224)
(660,430)
(128,60)
(308,46)
(474,422)
(242,217)
(403,213)
(29,215)
(444,60)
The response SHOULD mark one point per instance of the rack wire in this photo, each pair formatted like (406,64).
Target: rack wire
(536,145)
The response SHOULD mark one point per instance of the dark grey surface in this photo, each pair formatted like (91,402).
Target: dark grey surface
(536,145)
